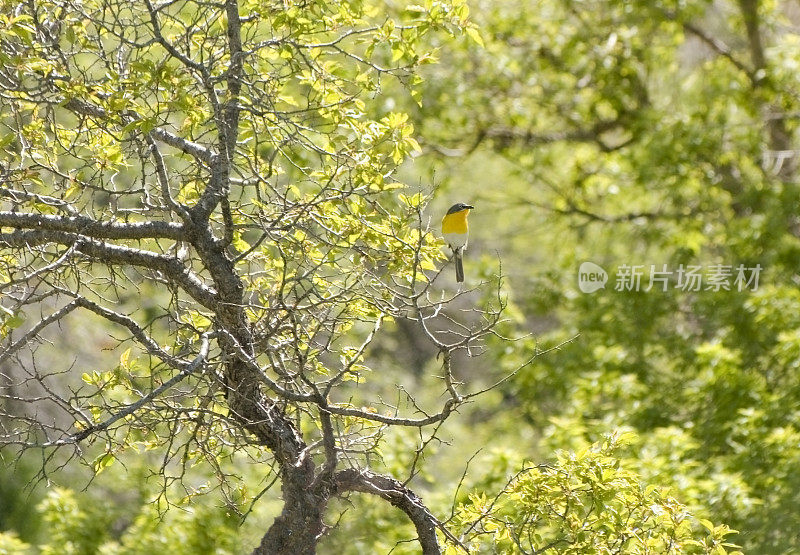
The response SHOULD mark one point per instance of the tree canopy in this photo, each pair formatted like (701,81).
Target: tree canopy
(218,160)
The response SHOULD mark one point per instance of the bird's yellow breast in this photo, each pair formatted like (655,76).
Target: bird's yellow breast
(455,223)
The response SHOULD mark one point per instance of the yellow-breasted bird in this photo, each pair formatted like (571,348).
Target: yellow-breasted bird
(456,232)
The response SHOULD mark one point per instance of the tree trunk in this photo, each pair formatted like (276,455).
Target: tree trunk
(298,528)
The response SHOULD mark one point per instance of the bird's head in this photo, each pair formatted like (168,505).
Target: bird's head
(459,206)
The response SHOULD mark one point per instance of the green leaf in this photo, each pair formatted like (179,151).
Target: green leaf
(103,461)
(473,33)
(124,359)
(706,524)
(240,244)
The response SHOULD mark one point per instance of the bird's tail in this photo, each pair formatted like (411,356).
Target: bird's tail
(459,266)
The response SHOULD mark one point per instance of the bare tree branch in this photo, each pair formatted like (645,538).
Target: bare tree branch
(393,491)
(186,370)
(83,107)
(35,330)
(89,227)
(173,269)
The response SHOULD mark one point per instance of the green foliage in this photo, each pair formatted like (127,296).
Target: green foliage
(72,528)
(639,133)
(130,511)
(17,500)
(193,527)
(603,130)
(585,502)
(10,544)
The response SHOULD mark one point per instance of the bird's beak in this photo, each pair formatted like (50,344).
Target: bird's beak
(470,207)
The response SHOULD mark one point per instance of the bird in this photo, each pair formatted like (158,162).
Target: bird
(456,231)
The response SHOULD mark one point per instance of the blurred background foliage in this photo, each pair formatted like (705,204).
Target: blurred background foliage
(616,132)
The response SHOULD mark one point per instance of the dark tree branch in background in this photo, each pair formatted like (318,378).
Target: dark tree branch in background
(506,136)
(779,137)
(717,46)
(752,22)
